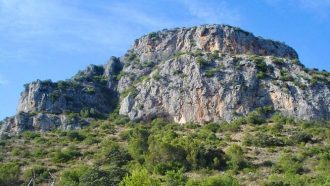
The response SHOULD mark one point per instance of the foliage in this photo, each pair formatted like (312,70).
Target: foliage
(285,76)
(211,72)
(288,164)
(9,174)
(90,112)
(139,177)
(262,148)
(41,174)
(62,156)
(223,180)
(263,140)
(175,178)
(201,61)
(98,177)
(111,153)
(30,135)
(72,176)
(236,157)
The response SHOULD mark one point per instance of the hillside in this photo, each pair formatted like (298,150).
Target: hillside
(247,151)
(205,105)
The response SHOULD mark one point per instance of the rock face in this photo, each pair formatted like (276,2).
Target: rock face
(70,104)
(200,74)
(217,72)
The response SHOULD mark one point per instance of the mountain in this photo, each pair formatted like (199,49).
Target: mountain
(200,74)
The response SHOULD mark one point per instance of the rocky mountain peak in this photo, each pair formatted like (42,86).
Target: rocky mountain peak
(200,74)
(208,38)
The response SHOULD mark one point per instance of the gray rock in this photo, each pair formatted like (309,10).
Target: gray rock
(199,74)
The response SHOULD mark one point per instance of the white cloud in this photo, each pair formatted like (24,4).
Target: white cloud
(208,12)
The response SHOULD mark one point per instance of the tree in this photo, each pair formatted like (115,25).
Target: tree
(236,157)
(139,177)
(175,178)
(9,173)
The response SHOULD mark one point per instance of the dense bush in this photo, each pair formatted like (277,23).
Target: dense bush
(72,176)
(112,153)
(263,140)
(175,178)
(40,173)
(62,156)
(30,135)
(138,143)
(75,135)
(223,180)
(98,177)
(139,177)
(90,112)
(301,137)
(236,158)
(9,174)
(288,164)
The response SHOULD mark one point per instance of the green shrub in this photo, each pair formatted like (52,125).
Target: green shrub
(214,55)
(175,178)
(324,163)
(90,112)
(211,72)
(98,177)
(285,76)
(138,143)
(147,64)
(163,157)
(153,36)
(75,135)
(41,174)
(213,127)
(30,135)
(288,164)
(132,91)
(262,140)
(139,177)
(286,179)
(301,137)
(278,61)
(62,156)
(130,56)
(9,174)
(90,90)
(201,61)
(112,154)
(233,126)
(72,176)
(255,118)
(261,75)
(220,180)
(156,76)
(236,158)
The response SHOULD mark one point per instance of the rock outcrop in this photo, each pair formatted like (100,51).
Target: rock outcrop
(217,72)
(70,104)
(199,74)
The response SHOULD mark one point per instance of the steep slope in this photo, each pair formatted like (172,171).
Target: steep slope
(199,74)
(70,104)
(216,72)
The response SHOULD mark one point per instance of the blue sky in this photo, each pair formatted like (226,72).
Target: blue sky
(53,39)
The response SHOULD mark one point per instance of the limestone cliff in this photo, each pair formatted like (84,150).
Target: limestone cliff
(199,74)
